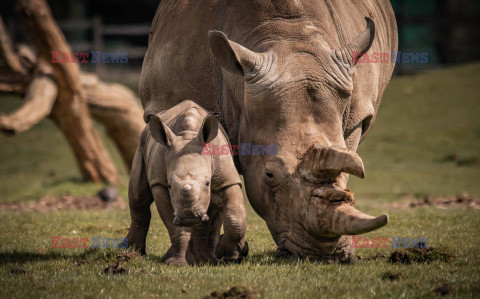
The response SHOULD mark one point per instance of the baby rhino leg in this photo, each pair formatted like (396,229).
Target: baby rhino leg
(179,236)
(232,246)
(205,238)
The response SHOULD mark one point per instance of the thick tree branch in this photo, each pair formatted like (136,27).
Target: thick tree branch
(39,99)
(117,108)
(8,53)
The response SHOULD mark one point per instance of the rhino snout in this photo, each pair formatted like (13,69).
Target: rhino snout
(190,221)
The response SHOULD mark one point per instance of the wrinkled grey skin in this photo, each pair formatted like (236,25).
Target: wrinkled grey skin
(194,193)
(282,72)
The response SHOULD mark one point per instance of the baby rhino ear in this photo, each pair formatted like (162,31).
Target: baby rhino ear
(209,129)
(161,132)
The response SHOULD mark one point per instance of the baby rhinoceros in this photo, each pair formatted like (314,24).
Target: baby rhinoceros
(194,193)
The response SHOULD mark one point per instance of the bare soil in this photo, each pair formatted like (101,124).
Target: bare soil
(464,200)
(421,255)
(117,267)
(65,202)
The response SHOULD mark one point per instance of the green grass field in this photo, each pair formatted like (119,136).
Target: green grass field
(423,122)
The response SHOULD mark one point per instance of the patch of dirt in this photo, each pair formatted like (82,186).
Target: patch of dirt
(115,268)
(378,256)
(444,290)
(127,255)
(235,292)
(65,202)
(464,200)
(392,275)
(421,255)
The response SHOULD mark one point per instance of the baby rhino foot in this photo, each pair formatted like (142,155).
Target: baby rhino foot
(231,252)
(205,259)
(170,258)
(176,261)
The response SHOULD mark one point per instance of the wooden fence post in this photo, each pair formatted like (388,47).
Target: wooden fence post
(97,28)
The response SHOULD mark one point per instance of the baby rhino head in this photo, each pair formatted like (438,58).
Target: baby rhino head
(189,173)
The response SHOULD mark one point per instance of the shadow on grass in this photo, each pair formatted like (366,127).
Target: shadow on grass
(266,258)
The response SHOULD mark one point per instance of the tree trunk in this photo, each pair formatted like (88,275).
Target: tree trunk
(70,110)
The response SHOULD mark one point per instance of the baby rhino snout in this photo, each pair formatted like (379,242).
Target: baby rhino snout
(189,196)
(187,188)
(192,207)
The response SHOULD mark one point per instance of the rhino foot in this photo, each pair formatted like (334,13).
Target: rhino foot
(344,254)
(136,244)
(175,261)
(231,253)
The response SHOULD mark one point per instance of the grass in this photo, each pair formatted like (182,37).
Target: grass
(426,141)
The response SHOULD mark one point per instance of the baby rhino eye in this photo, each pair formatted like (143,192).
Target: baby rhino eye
(207,184)
(169,186)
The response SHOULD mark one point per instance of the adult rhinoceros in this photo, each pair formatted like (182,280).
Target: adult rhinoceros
(282,72)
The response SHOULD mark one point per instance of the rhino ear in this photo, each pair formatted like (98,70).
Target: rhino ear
(234,57)
(356,49)
(209,129)
(161,132)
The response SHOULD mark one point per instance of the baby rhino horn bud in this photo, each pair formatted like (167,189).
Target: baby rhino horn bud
(187,188)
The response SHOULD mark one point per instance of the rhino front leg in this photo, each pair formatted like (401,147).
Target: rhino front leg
(205,238)
(179,236)
(232,246)
(140,198)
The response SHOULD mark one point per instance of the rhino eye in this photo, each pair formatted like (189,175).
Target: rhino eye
(169,186)
(274,173)
(270,179)
(207,184)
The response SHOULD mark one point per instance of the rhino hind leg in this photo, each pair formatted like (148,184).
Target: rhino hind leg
(140,199)
(137,234)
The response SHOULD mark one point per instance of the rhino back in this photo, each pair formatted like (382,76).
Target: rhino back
(179,64)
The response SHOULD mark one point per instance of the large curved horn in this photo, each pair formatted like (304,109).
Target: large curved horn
(323,159)
(346,220)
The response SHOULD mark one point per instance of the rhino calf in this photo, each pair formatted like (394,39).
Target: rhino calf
(194,193)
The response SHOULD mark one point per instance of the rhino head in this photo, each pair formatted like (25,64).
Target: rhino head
(189,173)
(296,94)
